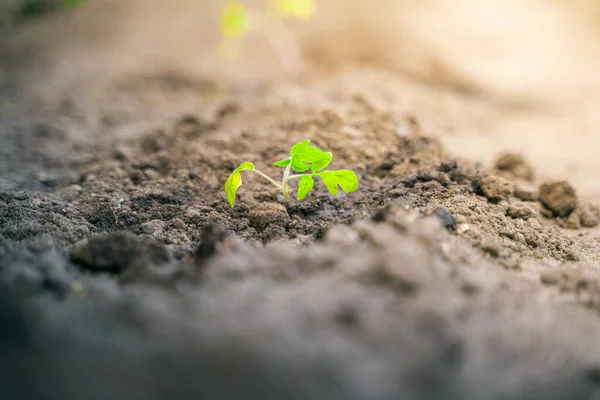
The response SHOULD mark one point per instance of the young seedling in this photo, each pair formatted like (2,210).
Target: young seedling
(303,157)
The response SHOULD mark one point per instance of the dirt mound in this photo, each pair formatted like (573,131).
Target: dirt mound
(436,279)
(168,184)
(395,308)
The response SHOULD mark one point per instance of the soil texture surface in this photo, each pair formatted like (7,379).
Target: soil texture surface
(125,274)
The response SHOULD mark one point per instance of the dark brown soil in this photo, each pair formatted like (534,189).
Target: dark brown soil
(124,273)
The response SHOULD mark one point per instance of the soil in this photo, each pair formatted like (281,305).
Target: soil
(125,274)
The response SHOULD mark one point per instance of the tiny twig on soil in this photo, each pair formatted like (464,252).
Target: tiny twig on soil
(114,212)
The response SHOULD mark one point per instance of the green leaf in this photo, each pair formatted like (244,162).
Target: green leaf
(345,178)
(298,165)
(283,163)
(310,154)
(231,186)
(303,153)
(297,148)
(305,186)
(247,166)
(235,181)
(322,162)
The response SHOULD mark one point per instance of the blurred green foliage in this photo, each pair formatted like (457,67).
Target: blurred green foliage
(36,8)
(237,22)
(234,20)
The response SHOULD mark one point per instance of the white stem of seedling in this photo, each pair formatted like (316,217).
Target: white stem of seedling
(283,186)
(285,182)
(289,178)
(279,186)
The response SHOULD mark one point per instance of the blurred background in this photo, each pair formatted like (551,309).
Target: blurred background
(485,77)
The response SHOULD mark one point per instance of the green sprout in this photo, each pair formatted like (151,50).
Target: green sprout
(303,157)
(237,22)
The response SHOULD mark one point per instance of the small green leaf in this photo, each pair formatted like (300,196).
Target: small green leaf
(231,186)
(303,153)
(235,181)
(305,186)
(322,162)
(298,165)
(296,156)
(283,163)
(247,166)
(295,150)
(345,178)
(310,154)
